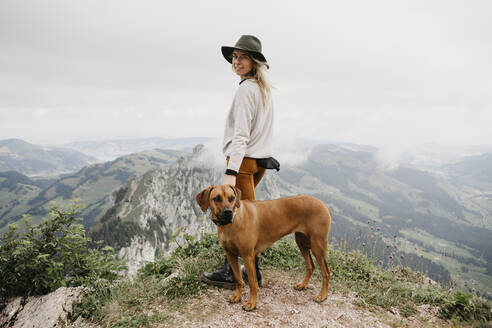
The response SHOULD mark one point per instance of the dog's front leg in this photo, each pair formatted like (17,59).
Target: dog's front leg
(234,263)
(249,263)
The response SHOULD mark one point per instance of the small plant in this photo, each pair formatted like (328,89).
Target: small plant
(91,305)
(160,269)
(189,262)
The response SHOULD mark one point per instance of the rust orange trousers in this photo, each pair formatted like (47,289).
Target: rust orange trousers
(249,175)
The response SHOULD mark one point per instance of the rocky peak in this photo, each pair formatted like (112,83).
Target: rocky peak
(158,207)
(197,150)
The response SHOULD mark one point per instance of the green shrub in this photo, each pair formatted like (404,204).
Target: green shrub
(467,308)
(39,259)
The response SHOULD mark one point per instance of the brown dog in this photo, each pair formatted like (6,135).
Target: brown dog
(246,228)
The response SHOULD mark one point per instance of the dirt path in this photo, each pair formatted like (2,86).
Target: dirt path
(279,305)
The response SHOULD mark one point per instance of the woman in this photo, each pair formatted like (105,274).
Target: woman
(248,133)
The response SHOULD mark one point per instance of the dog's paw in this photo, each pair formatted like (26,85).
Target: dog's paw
(235,298)
(320,298)
(300,286)
(249,306)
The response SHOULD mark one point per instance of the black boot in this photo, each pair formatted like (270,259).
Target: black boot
(258,274)
(223,277)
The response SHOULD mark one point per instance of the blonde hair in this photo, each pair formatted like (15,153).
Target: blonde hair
(258,72)
(260,75)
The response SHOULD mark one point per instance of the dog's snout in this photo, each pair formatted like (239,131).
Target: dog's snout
(227,213)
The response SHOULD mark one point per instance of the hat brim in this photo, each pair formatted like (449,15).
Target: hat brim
(227,53)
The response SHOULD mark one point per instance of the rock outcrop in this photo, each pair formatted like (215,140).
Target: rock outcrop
(159,207)
(45,311)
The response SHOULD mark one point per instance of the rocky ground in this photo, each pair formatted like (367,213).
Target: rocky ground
(279,305)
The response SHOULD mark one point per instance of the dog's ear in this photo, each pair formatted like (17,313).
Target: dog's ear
(203,198)
(237,191)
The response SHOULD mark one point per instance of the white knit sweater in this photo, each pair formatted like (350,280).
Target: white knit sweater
(249,126)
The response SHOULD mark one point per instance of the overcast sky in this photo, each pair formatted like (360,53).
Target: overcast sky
(371,72)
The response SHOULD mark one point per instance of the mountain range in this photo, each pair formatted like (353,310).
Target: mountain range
(92,185)
(110,149)
(423,219)
(437,220)
(433,215)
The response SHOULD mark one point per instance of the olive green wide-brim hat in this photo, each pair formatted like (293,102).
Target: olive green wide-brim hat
(249,43)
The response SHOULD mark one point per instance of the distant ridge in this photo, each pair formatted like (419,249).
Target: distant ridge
(29,159)
(476,167)
(14,177)
(110,149)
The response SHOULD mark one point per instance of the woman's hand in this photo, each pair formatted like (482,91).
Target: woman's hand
(230,180)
